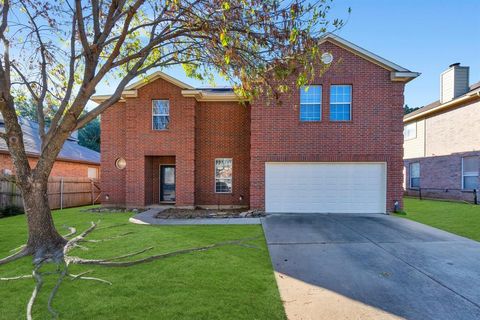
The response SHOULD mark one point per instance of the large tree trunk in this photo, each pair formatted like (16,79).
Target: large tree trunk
(44,242)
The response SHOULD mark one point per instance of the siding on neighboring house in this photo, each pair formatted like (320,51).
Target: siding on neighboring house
(457,130)
(415,147)
(444,137)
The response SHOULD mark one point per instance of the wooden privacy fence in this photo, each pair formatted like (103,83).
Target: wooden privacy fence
(63,192)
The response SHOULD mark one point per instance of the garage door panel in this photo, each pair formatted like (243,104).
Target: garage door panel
(325,187)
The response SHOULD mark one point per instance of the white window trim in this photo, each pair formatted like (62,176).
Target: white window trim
(415,136)
(334,103)
(215,173)
(160,114)
(468,174)
(311,103)
(410,175)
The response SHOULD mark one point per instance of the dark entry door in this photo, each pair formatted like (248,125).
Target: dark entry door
(167,183)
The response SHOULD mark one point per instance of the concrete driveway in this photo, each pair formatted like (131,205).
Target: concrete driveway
(341,266)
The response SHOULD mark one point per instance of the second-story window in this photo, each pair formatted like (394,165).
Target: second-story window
(340,103)
(160,114)
(311,103)
(410,131)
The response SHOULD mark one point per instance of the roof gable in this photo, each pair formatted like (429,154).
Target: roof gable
(158,75)
(398,73)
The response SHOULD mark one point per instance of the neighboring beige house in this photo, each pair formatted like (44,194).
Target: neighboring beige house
(442,140)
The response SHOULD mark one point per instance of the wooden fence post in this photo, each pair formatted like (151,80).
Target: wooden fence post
(61,193)
(93,192)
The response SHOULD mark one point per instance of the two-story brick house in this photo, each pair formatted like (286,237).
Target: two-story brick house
(335,146)
(442,140)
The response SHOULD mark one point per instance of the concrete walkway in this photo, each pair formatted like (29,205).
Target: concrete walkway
(148,217)
(372,267)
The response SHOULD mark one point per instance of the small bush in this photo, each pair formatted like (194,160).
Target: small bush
(10,211)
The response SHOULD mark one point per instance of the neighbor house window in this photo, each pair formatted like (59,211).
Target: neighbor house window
(160,114)
(311,103)
(223,175)
(341,103)
(92,173)
(470,168)
(410,131)
(415,175)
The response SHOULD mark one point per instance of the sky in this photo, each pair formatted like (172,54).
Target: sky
(425,36)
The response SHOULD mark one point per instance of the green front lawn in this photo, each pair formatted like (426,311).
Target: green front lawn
(459,218)
(230,282)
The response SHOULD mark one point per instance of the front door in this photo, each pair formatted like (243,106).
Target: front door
(167,183)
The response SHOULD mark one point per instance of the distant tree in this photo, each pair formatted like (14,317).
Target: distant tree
(89,136)
(407,109)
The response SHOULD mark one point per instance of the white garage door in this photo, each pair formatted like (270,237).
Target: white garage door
(325,187)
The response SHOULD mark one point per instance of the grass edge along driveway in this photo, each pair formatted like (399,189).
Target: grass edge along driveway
(460,218)
(230,282)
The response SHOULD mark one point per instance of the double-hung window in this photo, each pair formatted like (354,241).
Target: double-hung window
(410,131)
(340,102)
(415,175)
(311,103)
(223,175)
(470,169)
(160,114)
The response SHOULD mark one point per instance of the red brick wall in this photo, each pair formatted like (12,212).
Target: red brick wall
(128,130)
(60,168)
(374,134)
(222,131)
(113,134)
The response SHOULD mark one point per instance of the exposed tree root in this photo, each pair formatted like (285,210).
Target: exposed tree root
(26,276)
(20,254)
(38,286)
(62,270)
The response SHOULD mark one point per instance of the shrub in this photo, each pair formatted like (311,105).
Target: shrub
(10,211)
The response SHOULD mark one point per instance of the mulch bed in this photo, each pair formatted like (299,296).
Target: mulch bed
(175,213)
(112,210)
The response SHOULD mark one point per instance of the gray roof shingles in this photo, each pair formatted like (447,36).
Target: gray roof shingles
(71,150)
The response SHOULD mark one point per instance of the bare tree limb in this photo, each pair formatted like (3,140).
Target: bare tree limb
(110,263)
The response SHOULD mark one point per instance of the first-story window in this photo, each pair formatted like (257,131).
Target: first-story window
(470,169)
(160,114)
(223,175)
(341,103)
(311,103)
(92,173)
(415,175)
